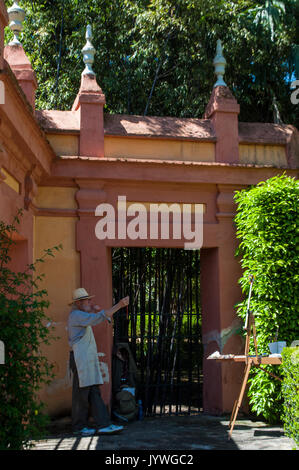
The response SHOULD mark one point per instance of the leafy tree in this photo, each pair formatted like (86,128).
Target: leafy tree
(267,226)
(269,14)
(156,57)
(23,330)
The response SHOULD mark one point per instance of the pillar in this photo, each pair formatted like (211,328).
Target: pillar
(23,71)
(220,292)
(90,103)
(210,298)
(96,269)
(223,111)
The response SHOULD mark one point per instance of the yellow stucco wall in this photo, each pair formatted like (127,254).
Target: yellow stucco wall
(67,144)
(159,149)
(64,144)
(130,147)
(263,154)
(56,197)
(62,276)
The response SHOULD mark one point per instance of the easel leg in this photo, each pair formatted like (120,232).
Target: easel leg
(233,413)
(239,401)
(247,341)
(254,336)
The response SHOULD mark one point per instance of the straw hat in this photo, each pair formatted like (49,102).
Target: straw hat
(80,294)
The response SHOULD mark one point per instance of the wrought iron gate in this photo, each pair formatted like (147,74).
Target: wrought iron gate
(163,325)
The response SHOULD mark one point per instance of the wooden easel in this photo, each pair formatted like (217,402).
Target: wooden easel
(249,360)
(249,323)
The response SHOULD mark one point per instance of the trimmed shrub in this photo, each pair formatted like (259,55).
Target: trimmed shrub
(290,392)
(267,226)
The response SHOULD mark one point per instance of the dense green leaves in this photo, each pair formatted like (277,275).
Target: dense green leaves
(267,223)
(156,57)
(24,332)
(290,392)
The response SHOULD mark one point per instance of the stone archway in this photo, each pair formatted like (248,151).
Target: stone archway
(220,272)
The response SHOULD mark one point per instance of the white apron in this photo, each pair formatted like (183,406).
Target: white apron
(86,359)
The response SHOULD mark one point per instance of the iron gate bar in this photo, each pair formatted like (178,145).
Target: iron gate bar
(163,326)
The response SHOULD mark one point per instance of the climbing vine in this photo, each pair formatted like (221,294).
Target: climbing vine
(23,330)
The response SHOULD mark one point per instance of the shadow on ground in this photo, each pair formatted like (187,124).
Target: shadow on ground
(198,432)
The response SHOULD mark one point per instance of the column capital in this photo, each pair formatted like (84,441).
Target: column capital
(88,197)
(221,100)
(225,200)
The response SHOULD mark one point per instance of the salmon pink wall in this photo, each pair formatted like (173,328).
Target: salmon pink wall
(94,158)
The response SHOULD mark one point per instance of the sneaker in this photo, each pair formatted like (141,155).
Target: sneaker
(86,432)
(112,429)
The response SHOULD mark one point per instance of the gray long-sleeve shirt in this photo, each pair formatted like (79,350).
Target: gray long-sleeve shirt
(78,321)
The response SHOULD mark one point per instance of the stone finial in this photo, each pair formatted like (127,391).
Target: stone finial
(219,64)
(88,52)
(16,16)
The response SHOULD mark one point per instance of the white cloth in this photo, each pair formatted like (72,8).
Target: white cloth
(86,359)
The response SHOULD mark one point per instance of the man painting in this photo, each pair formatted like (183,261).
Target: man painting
(85,364)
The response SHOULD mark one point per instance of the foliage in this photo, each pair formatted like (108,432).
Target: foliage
(290,392)
(265,395)
(23,329)
(156,57)
(267,224)
(269,15)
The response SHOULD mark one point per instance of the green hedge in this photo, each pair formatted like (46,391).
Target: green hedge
(267,226)
(290,392)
